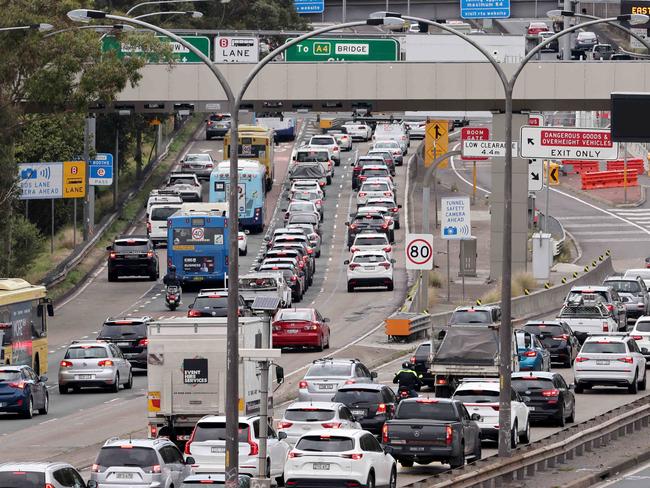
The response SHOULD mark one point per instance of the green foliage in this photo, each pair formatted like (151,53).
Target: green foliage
(55,137)
(26,243)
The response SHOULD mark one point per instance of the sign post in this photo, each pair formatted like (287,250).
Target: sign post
(327,50)
(474,134)
(562,143)
(455,225)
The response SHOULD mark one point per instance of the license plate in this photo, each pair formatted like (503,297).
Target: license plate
(85,376)
(2,404)
(322,466)
(197,278)
(123,343)
(124,476)
(358,412)
(326,387)
(132,256)
(416,448)
(291,331)
(218,450)
(370,268)
(532,409)
(602,363)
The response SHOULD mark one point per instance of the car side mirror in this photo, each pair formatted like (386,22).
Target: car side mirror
(476,417)
(373,375)
(525,399)
(347,261)
(326,320)
(386,449)
(190,306)
(190,460)
(109,248)
(357,417)
(644,350)
(282,435)
(572,386)
(42,378)
(399,206)
(92,484)
(247,232)
(50,309)
(393,261)
(347,224)
(279,374)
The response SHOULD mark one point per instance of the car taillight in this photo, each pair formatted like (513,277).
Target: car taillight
(581,359)
(362,193)
(149,254)
(284,425)
(563,337)
(394,209)
(153,469)
(17,384)
(530,354)
(294,278)
(385,264)
(313,326)
(495,407)
(303,384)
(240,238)
(384,434)
(449,435)
(310,251)
(331,425)
(626,360)
(353,226)
(362,177)
(112,255)
(95,468)
(143,342)
(355,456)
(336,148)
(49,485)
(65,364)
(637,338)
(605,327)
(193,313)
(293,454)
(255,449)
(354,249)
(105,363)
(301,264)
(356,169)
(550,393)
(381,408)
(412,359)
(388,194)
(384,226)
(319,202)
(353,266)
(350,382)
(388,249)
(610,307)
(321,183)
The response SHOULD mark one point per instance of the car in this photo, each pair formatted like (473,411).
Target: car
(553,46)
(586,40)
(481,395)
(557,337)
(301,206)
(622,57)
(290,237)
(416,129)
(330,142)
(634,294)
(217,125)
(265,284)
(288,248)
(139,462)
(393,147)
(157,221)
(200,164)
(389,161)
(374,171)
(302,417)
(39,475)
(162,197)
(641,334)
(390,204)
(22,391)
(372,404)
(343,139)
(372,242)
(300,327)
(309,196)
(305,218)
(242,242)
(207,445)
(321,155)
(394,131)
(370,268)
(326,375)
(533,356)
(642,273)
(360,131)
(607,295)
(611,360)
(213,302)
(213,479)
(347,457)
(602,51)
(376,159)
(306,185)
(292,274)
(129,334)
(300,230)
(477,315)
(385,212)
(373,222)
(315,240)
(374,188)
(92,364)
(547,396)
(187,185)
(534,28)
(132,256)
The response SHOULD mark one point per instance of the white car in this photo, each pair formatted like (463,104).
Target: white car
(372,242)
(207,446)
(393,147)
(416,129)
(338,455)
(374,188)
(358,130)
(330,142)
(315,154)
(162,196)
(643,273)
(266,284)
(187,185)
(157,221)
(610,360)
(242,242)
(481,396)
(393,132)
(200,164)
(369,268)
(343,139)
(306,185)
(302,417)
(641,334)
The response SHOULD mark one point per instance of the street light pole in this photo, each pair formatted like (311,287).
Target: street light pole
(38,27)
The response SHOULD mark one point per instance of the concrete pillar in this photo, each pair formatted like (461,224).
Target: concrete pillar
(530,470)
(519,200)
(520,474)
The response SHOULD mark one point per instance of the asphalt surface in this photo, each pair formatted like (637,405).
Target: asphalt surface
(638,478)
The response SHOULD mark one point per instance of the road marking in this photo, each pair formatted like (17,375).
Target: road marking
(48,421)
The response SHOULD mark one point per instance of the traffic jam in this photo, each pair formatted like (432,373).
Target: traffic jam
(345,422)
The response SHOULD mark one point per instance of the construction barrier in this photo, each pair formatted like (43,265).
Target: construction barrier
(608,179)
(636,164)
(580,167)
(405,325)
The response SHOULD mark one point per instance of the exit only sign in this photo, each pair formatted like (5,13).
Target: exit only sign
(324,50)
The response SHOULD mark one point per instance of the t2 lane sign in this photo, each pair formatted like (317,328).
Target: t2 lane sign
(559,142)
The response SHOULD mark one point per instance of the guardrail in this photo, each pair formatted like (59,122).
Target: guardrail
(404,326)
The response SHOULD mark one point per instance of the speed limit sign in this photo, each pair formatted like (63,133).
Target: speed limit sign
(419,251)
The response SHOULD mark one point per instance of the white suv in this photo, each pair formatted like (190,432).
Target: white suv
(369,268)
(330,142)
(187,185)
(372,241)
(157,221)
(611,360)
(481,396)
(302,417)
(351,457)
(207,446)
(38,475)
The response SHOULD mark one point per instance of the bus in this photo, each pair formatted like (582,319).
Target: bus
(251,191)
(24,309)
(197,244)
(257,143)
(284,126)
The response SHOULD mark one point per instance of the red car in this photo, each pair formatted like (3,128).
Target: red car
(301,327)
(535,28)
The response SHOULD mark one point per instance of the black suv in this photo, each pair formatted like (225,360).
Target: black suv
(132,256)
(367,222)
(214,303)
(557,337)
(130,335)
(371,403)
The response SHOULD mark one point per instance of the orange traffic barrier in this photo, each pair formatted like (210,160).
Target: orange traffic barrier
(636,164)
(608,179)
(580,167)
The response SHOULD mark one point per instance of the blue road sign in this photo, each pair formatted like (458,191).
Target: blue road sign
(101,170)
(484,9)
(310,6)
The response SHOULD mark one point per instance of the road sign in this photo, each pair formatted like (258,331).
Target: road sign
(323,50)
(181,53)
(455,219)
(40,180)
(555,172)
(436,141)
(634,42)
(101,170)
(536,120)
(74,179)
(487,148)
(535,175)
(198,233)
(419,251)
(562,143)
(484,9)
(474,134)
(236,49)
(309,6)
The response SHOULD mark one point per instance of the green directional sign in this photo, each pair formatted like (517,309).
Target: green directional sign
(181,53)
(324,50)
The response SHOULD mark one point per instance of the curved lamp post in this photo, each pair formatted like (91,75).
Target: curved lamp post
(38,27)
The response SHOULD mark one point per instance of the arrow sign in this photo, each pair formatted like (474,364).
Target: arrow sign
(563,143)
(555,175)
(438,134)
(535,169)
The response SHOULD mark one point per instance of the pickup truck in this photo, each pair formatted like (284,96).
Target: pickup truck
(586,318)
(432,429)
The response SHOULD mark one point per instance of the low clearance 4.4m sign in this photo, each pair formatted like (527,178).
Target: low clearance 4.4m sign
(559,142)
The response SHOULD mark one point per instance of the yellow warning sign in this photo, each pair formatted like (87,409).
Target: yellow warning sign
(74,179)
(436,141)
(555,172)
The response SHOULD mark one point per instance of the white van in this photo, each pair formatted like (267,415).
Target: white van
(157,221)
(162,196)
(393,132)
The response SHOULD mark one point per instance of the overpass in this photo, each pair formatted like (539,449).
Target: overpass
(387,86)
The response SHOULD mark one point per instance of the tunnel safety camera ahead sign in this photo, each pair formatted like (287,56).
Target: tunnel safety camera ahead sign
(455,218)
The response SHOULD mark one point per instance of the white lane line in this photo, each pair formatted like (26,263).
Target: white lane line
(48,421)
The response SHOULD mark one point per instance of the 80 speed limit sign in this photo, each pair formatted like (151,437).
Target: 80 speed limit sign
(419,251)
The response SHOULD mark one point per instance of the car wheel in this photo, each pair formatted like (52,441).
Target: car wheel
(115,387)
(580,388)
(642,383)
(567,362)
(514,436)
(392,483)
(153,276)
(458,461)
(327,345)
(46,405)
(318,254)
(350,288)
(63,389)
(572,416)
(525,437)
(634,386)
(319,347)
(28,413)
(371,480)
(329,180)
(280,480)
(389,287)
(129,384)
(561,422)
(478,451)
(112,276)
(397,224)
(406,463)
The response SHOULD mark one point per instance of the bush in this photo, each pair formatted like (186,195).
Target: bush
(26,243)
(492,296)
(435,280)
(523,281)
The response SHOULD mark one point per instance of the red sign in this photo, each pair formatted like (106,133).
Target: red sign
(474,134)
(575,139)
(535,120)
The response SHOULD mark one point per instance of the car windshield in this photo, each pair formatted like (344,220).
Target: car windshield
(325,444)
(22,479)
(589,295)
(179,180)
(312,414)
(369,259)
(542,330)
(386,144)
(198,157)
(603,347)
(121,330)
(308,156)
(130,245)
(470,317)
(322,141)
(216,431)
(210,303)
(301,207)
(374,172)
(127,455)
(370,241)
(86,352)
(302,219)
(644,274)
(642,326)
(294,315)
(427,410)
(625,286)
(375,187)
(352,397)
(163,213)
(9,375)
(477,396)
(258,283)
(327,370)
(307,196)
(532,383)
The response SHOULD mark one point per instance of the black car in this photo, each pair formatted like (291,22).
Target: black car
(129,334)
(420,362)
(132,256)
(291,275)
(547,396)
(214,303)
(372,404)
(558,338)
(367,222)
